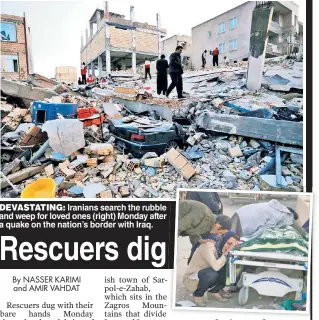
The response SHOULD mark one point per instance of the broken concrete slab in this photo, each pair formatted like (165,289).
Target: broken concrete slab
(139,107)
(282,131)
(24,91)
(22,175)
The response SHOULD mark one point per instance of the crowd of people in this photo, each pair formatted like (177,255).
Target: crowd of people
(214,235)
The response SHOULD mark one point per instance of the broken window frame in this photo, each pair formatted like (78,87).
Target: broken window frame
(220,48)
(4,67)
(11,34)
(233,23)
(231,47)
(221,30)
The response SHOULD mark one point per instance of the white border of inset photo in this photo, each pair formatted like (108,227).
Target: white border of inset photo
(307,312)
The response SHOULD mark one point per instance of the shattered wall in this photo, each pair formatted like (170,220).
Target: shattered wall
(18,47)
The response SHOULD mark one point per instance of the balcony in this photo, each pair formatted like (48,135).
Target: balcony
(275,27)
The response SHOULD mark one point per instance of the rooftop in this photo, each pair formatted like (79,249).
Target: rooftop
(221,14)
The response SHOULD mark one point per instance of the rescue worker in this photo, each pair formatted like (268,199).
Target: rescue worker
(90,79)
(176,71)
(161,67)
(83,73)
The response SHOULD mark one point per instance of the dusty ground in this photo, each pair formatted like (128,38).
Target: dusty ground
(183,250)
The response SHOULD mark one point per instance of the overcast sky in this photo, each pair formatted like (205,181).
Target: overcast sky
(56,26)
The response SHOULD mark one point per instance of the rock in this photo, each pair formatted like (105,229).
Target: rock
(168,187)
(235,152)
(296,158)
(140,192)
(231,183)
(243,145)
(224,158)
(245,175)
(254,144)
(228,173)
(199,106)
(223,145)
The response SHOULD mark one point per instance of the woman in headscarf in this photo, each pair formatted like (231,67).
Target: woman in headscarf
(206,271)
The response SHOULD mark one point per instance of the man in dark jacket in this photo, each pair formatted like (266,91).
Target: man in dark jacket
(194,219)
(161,67)
(176,71)
(211,199)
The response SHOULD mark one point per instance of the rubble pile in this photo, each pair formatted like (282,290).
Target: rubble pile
(119,139)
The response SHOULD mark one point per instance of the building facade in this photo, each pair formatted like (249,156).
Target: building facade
(169,45)
(117,43)
(230,32)
(66,74)
(16,62)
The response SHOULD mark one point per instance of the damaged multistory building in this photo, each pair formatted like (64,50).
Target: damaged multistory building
(16,49)
(230,32)
(119,43)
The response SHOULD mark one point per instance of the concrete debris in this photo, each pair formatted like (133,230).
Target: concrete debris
(120,139)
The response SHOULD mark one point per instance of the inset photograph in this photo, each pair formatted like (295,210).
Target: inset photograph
(242,250)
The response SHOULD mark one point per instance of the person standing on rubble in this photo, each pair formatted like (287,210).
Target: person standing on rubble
(204,59)
(83,73)
(147,66)
(176,71)
(215,56)
(161,67)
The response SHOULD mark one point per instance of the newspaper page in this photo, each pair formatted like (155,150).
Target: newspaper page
(156,160)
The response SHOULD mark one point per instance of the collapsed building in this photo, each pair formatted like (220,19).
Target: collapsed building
(119,43)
